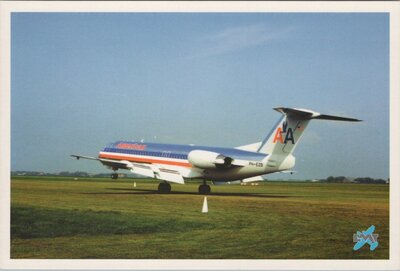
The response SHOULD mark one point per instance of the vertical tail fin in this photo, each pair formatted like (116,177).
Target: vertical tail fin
(285,136)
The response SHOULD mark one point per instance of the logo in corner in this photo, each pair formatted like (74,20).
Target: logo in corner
(366,237)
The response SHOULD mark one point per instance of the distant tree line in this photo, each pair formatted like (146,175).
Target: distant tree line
(343,179)
(40,173)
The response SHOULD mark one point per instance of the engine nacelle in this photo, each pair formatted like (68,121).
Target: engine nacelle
(209,160)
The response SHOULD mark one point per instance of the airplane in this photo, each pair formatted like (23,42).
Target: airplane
(174,163)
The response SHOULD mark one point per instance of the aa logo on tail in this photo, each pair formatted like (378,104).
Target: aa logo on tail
(284,134)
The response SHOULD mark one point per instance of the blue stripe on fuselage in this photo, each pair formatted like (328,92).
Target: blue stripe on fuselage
(178,151)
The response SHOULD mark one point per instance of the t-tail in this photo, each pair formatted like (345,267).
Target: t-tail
(284,137)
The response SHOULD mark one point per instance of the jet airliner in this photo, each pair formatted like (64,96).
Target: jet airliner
(174,163)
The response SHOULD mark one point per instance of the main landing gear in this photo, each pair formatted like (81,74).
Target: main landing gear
(204,188)
(164,188)
(114,176)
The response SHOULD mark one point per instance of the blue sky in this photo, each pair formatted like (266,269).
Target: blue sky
(82,80)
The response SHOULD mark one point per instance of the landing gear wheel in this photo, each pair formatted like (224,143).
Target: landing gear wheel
(164,188)
(114,176)
(204,189)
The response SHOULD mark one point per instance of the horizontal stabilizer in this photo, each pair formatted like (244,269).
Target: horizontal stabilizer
(305,114)
(329,117)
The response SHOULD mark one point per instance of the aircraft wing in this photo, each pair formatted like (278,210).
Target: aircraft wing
(253,179)
(106,162)
(155,171)
(83,157)
(148,170)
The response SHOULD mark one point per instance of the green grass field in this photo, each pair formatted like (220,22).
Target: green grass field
(62,218)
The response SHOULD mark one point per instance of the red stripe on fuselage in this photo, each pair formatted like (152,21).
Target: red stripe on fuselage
(143,160)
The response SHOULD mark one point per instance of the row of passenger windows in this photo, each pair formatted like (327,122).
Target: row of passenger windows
(156,154)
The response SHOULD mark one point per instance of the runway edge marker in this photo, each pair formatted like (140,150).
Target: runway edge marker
(205,206)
